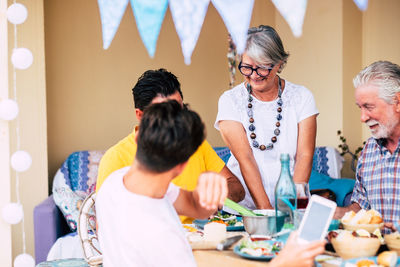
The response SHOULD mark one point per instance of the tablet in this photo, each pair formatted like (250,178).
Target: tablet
(316,220)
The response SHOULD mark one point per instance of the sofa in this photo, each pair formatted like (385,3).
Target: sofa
(58,215)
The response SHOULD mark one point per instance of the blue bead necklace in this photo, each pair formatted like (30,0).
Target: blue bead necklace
(252,128)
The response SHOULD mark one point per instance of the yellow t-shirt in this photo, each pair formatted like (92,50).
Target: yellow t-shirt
(123,153)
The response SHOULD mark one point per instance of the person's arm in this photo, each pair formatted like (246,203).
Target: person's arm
(294,254)
(307,130)
(235,187)
(340,211)
(234,136)
(209,195)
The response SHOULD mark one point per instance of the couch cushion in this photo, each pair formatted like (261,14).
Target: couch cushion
(74,181)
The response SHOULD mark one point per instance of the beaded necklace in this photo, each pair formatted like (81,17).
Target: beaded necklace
(252,128)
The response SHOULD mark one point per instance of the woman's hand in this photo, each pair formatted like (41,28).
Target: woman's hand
(300,255)
(234,136)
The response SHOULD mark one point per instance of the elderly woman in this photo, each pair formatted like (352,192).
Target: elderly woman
(265,116)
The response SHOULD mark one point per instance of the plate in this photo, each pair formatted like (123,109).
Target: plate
(200,224)
(236,250)
(355,260)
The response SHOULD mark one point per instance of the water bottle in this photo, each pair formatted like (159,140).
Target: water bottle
(285,196)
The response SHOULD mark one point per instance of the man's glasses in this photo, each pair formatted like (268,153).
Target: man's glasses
(248,71)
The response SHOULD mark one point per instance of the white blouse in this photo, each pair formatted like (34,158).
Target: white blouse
(298,104)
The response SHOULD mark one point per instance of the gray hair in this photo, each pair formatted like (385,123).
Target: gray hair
(265,46)
(385,75)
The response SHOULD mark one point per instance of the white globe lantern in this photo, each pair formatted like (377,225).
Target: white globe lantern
(12,213)
(8,109)
(17,13)
(24,260)
(21,161)
(22,58)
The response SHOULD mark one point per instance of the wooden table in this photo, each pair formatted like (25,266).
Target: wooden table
(207,258)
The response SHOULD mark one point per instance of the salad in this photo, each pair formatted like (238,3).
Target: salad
(260,248)
(227,219)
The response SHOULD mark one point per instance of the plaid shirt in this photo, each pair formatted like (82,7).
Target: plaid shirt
(378,180)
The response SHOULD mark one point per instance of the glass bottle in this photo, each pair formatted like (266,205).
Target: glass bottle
(285,195)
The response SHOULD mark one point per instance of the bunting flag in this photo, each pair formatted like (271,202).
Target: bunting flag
(236,15)
(188,16)
(111,12)
(361,4)
(293,11)
(149,15)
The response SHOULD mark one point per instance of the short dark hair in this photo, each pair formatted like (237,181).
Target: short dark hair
(154,83)
(168,135)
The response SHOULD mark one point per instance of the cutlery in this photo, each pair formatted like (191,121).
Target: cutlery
(226,243)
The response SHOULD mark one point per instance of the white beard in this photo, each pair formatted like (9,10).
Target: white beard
(384,131)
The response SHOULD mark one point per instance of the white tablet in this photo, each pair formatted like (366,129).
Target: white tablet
(316,220)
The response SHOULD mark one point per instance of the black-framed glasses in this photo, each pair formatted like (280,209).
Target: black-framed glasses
(248,70)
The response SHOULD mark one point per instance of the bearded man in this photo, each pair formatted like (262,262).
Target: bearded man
(378,170)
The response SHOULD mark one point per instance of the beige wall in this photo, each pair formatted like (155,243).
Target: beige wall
(89,89)
(89,103)
(381,38)
(31,98)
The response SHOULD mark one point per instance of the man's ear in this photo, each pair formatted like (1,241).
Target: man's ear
(397,102)
(139,114)
(180,167)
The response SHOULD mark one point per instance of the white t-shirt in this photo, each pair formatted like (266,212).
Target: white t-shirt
(298,104)
(136,230)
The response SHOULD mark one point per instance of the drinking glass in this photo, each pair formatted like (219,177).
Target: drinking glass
(303,195)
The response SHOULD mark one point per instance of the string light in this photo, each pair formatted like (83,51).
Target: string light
(22,59)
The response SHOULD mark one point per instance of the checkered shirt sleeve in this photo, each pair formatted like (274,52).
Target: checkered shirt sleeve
(378,180)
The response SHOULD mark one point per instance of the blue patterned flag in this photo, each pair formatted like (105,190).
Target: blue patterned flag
(188,16)
(111,12)
(236,15)
(362,4)
(293,11)
(149,15)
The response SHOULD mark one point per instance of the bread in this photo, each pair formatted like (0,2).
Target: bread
(376,220)
(359,215)
(387,258)
(348,216)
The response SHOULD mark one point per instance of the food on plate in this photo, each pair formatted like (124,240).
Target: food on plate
(260,248)
(228,219)
(214,231)
(354,244)
(365,263)
(387,258)
(393,242)
(190,228)
(362,217)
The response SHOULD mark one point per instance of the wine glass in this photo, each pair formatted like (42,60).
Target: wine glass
(303,195)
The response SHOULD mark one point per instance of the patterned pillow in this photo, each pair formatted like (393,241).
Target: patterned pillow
(326,160)
(74,181)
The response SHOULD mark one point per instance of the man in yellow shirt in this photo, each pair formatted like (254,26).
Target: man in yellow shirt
(156,86)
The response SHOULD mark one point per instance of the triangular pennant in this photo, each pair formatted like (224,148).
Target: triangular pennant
(188,16)
(361,4)
(236,15)
(149,15)
(111,12)
(293,11)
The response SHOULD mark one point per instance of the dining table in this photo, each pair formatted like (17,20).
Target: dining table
(206,258)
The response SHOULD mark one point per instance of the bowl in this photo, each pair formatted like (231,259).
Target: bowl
(368,227)
(393,242)
(268,224)
(355,247)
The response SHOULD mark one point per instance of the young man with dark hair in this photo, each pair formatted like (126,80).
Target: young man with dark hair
(156,86)
(137,206)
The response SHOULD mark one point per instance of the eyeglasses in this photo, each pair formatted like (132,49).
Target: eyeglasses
(248,71)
